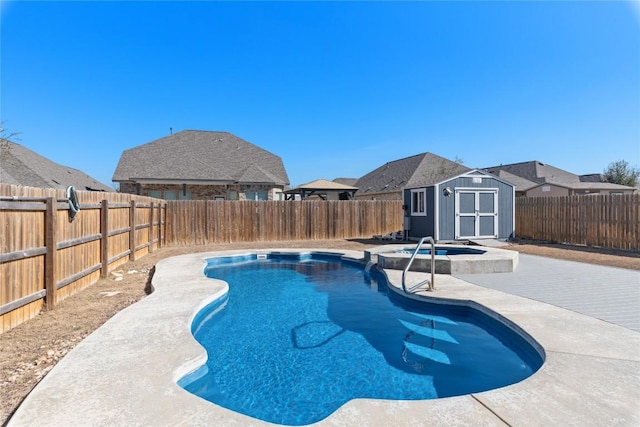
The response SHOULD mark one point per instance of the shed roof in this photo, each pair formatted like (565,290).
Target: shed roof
(193,155)
(22,166)
(415,171)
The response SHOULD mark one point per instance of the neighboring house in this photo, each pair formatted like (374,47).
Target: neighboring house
(22,166)
(346,181)
(321,189)
(470,205)
(535,179)
(389,180)
(201,165)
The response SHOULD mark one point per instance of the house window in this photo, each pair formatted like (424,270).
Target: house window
(418,203)
(256,195)
(169,195)
(155,193)
(185,195)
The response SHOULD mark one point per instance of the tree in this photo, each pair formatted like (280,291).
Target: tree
(6,135)
(5,138)
(620,172)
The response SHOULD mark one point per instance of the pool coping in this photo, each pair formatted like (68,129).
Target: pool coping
(125,373)
(493,260)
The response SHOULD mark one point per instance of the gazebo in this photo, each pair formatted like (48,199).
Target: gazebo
(322,189)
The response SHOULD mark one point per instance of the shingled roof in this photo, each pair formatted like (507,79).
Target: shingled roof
(193,155)
(522,184)
(420,170)
(537,172)
(22,166)
(527,175)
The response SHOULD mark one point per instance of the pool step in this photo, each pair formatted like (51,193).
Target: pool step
(422,339)
(428,353)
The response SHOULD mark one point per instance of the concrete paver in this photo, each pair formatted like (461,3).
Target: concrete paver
(606,293)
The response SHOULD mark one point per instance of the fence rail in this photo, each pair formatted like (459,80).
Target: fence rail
(610,221)
(204,222)
(46,257)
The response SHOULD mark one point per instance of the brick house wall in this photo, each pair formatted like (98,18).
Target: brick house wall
(201,192)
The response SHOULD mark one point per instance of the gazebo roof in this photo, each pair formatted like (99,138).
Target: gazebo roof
(321,187)
(322,184)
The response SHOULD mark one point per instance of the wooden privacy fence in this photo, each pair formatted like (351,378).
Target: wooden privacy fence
(45,257)
(611,221)
(203,222)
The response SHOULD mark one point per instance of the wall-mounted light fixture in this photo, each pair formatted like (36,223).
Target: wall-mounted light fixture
(447,191)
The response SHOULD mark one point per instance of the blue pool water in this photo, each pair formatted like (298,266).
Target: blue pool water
(442,250)
(299,336)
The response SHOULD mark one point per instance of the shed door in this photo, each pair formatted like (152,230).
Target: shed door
(476,213)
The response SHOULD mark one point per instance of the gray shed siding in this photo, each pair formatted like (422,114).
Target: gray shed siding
(445,229)
(421,226)
(447,205)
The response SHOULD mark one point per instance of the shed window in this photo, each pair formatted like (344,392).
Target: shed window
(418,203)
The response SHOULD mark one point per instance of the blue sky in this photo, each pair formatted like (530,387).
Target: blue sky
(334,88)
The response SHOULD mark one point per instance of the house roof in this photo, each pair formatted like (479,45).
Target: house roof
(346,181)
(193,155)
(520,183)
(592,177)
(527,175)
(22,166)
(416,171)
(537,172)
(589,186)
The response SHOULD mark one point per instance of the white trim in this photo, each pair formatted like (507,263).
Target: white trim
(436,213)
(424,202)
(513,212)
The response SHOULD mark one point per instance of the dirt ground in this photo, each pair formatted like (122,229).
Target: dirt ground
(32,349)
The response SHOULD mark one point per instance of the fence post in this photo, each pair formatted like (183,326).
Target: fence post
(159,231)
(132,231)
(151,227)
(51,223)
(104,232)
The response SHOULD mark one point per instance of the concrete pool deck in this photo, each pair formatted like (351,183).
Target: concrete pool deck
(125,373)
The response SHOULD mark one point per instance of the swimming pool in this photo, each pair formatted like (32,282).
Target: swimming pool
(297,336)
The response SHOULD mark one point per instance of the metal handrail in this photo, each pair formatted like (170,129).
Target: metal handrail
(433,265)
